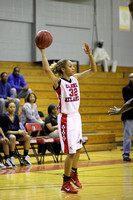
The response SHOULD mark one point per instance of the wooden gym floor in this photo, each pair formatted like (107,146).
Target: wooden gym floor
(105,176)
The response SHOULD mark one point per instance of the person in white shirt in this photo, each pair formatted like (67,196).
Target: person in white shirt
(101,57)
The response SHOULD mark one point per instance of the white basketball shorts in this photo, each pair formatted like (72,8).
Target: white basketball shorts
(70,132)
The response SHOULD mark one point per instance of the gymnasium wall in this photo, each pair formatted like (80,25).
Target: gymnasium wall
(103,22)
(70,22)
(122,41)
(118,43)
(16,19)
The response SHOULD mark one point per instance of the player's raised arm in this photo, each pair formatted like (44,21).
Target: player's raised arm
(93,67)
(47,69)
(116,111)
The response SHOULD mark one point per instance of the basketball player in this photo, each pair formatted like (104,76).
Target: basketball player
(11,128)
(69,120)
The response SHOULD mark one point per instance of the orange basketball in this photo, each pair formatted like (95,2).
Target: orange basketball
(43,39)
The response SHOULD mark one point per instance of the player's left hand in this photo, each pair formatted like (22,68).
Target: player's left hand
(114,111)
(87,49)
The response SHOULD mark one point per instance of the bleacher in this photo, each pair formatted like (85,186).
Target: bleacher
(98,94)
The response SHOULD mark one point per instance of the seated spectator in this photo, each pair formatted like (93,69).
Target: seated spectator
(51,127)
(101,57)
(18,84)
(4,142)
(11,128)
(29,113)
(6,94)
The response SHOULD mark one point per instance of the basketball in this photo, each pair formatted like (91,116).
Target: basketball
(43,39)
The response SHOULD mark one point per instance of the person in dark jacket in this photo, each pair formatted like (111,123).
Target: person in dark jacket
(51,127)
(10,125)
(51,130)
(127,118)
(18,84)
(6,94)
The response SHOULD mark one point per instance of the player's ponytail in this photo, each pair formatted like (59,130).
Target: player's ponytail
(56,67)
(53,68)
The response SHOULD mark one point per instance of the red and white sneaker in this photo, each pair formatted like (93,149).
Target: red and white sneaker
(75,180)
(67,187)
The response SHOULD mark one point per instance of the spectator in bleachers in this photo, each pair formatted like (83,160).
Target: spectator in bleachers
(18,84)
(11,128)
(4,142)
(101,57)
(6,94)
(51,127)
(29,113)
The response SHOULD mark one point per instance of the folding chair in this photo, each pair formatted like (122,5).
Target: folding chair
(32,127)
(84,141)
(16,153)
(50,148)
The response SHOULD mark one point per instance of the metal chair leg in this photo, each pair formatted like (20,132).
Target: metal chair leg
(53,154)
(42,155)
(18,154)
(35,153)
(86,151)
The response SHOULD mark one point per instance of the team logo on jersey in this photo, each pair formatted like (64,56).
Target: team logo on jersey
(12,127)
(71,99)
(73,85)
(72,92)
